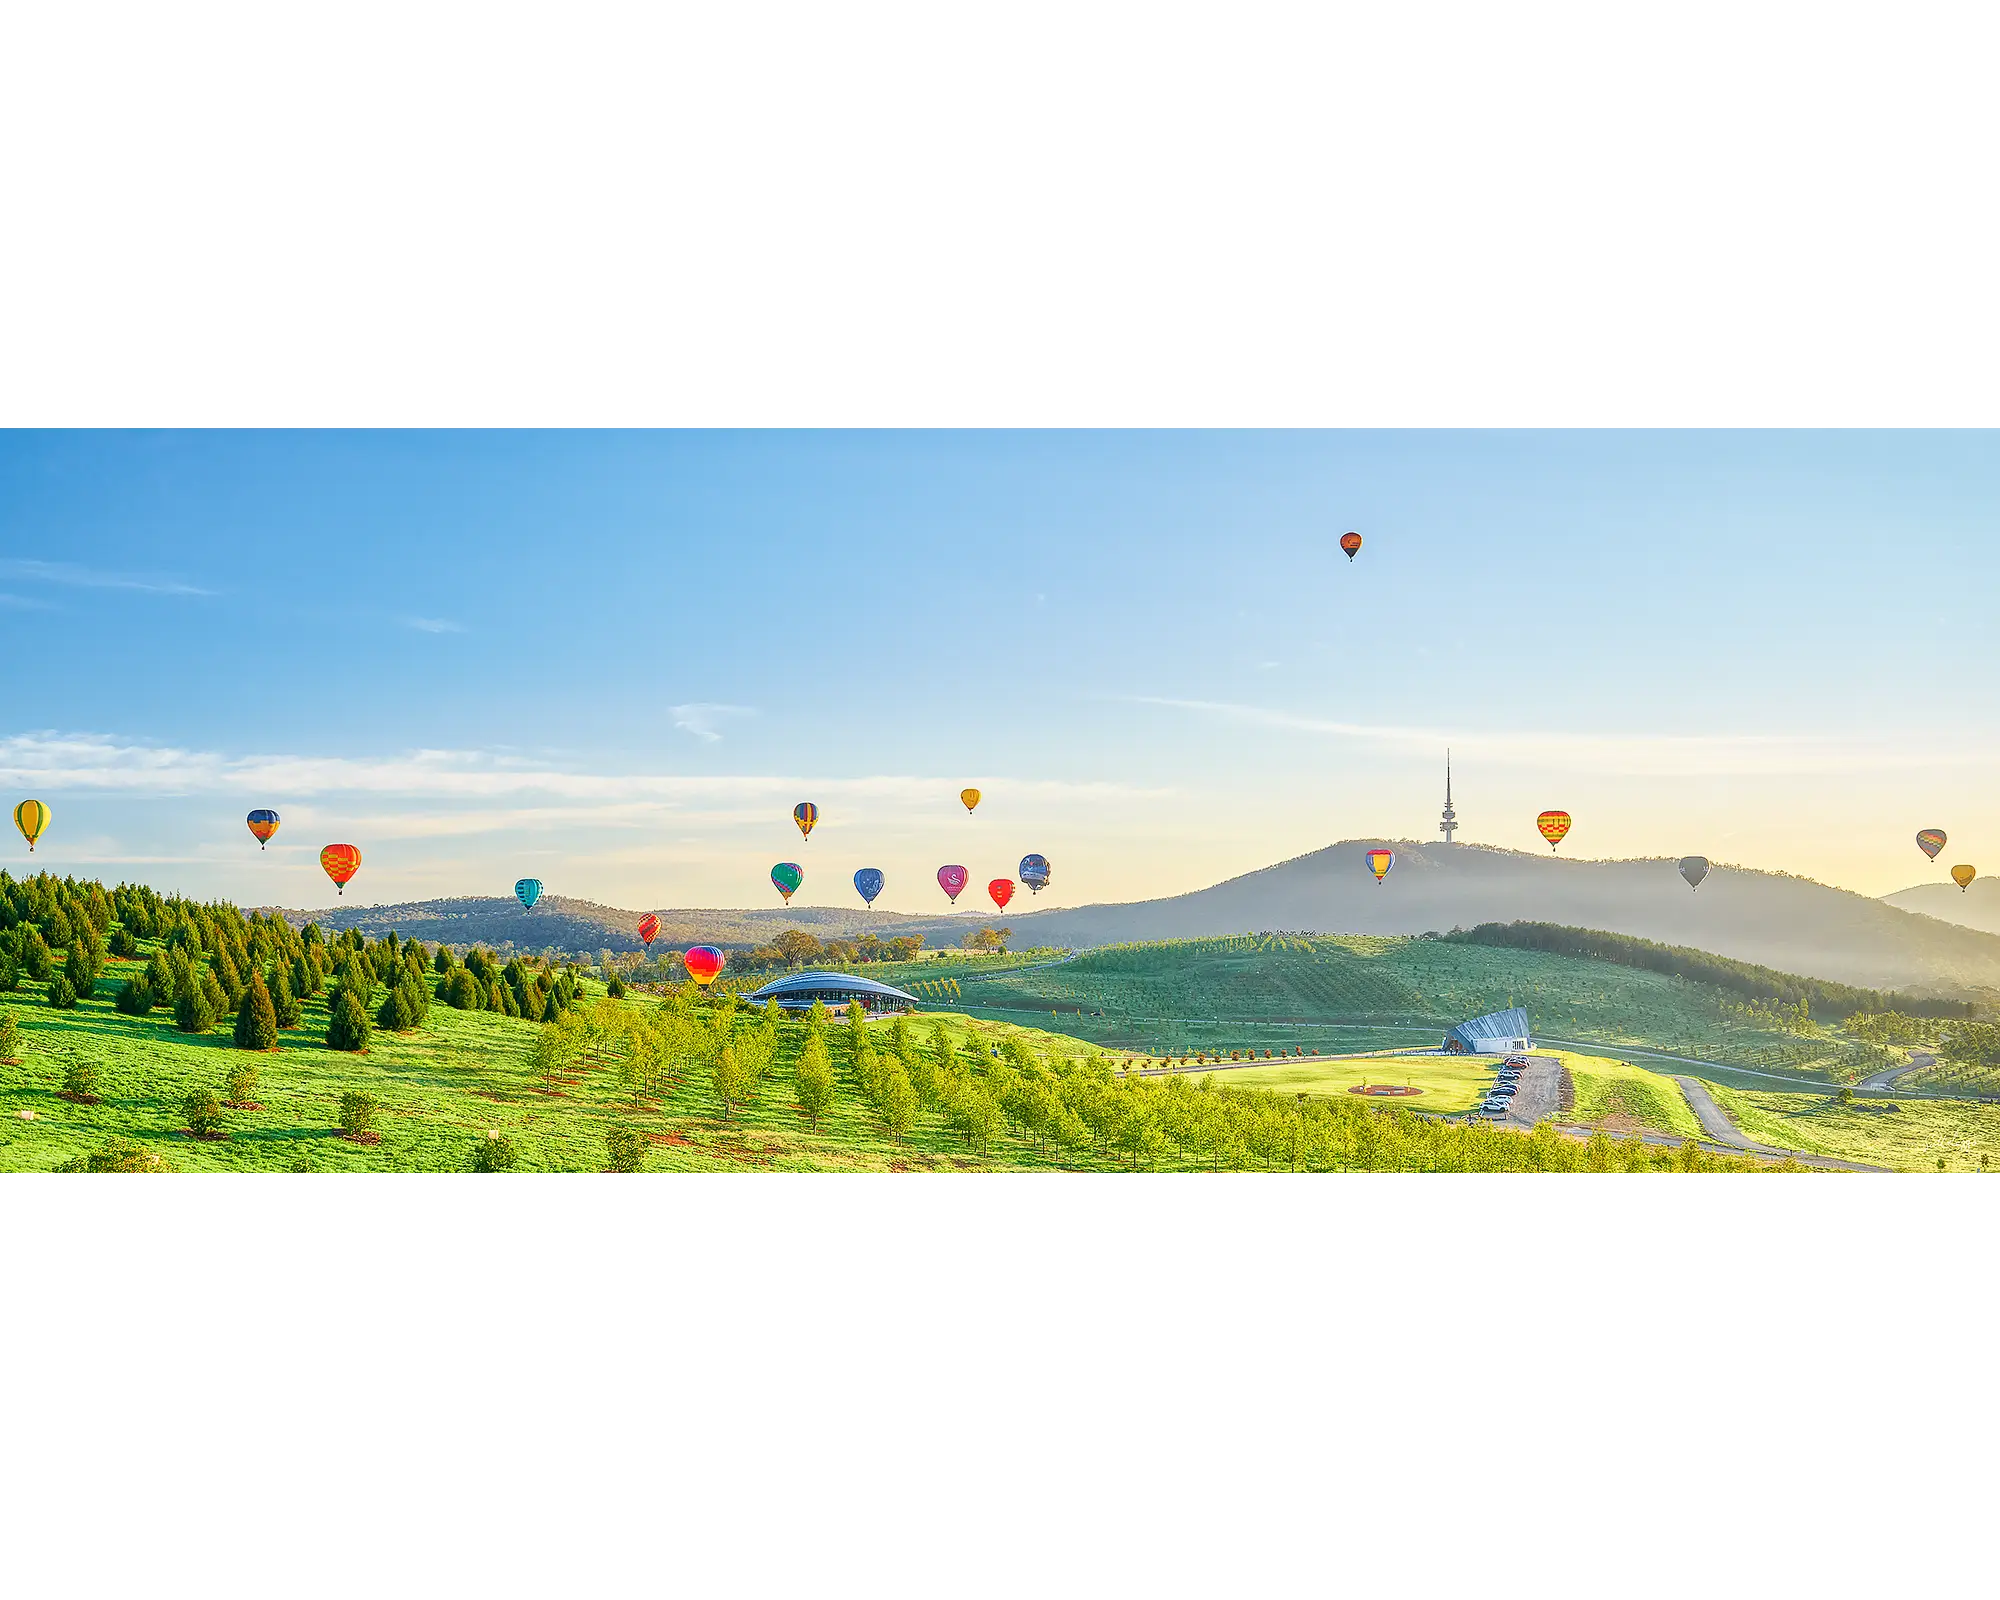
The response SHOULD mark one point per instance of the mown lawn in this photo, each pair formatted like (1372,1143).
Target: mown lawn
(1449,1083)
(1619,1097)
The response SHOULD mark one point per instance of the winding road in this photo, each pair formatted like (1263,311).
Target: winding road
(1884,1082)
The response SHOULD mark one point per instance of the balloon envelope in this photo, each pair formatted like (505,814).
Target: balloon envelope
(340,862)
(1554,824)
(703,962)
(1694,869)
(970,797)
(1035,872)
(786,876)
(868,883)
(528,891)
(1931,841)
(263,823)
(1350,542)
(952,880)
(1379,863)
(1002,890)
(31,816)
(805,814)
(649,929)
(1963,876)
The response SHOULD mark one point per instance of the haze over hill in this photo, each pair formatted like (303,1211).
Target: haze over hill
(1789,923)
(1977,906)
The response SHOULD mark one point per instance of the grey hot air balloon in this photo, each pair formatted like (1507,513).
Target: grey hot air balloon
(1694,869)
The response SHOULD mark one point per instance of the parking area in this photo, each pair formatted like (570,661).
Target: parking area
(1525,1089)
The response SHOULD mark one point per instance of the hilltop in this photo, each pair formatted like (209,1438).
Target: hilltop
(1977,906)
(1770,918)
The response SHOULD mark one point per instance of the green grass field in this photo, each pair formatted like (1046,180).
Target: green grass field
(1908,1135)
(1619,1097)
(1449,1083)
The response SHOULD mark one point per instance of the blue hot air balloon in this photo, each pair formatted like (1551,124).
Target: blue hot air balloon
(1035,872)
(868,883)
(528,891)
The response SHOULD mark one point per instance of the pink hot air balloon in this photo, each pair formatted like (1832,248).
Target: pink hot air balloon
(952,880)
(703,962)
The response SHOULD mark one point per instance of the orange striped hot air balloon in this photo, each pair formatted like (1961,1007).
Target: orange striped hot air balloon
(649,930)
(1379,863)
(340,862)
(31,816)
(1963,876)
(1554,824)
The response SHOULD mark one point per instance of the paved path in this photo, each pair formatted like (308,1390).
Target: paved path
(1884,1082)
(1715,1121)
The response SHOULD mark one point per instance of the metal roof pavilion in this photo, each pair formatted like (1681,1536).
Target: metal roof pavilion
(798,990)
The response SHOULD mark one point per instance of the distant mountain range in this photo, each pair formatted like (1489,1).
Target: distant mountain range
(1976,906)
(1774,919)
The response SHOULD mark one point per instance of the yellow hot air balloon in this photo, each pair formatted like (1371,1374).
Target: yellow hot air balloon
(1963,876)
(31,816)
(970,797)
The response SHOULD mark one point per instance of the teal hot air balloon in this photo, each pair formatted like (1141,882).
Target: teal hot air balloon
(868,883)
(786,877)
(528,891)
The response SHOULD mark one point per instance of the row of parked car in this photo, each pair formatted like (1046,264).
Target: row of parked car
(1505,1082)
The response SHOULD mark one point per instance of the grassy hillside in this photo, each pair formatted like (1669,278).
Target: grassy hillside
(1908,1135)
(1347,993)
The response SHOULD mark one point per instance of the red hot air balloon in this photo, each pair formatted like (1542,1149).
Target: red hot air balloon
(1351,543)
(649,930)
(703,962)
(340,862)
(1002,890)
(952,880)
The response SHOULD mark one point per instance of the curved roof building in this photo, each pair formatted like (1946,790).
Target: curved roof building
(797,991)
(1502,1033)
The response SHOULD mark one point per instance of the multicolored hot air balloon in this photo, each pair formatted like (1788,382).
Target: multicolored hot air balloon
(952,880)
(786,877)
(1002,890)
(1035,873)
(340,862)
(649,930)
(263,823)
(868,883)
(1963,876)
(1931,841)
(1554,824)
(1694,869)
(528,891)
(805,814)
(1351,543)
(31,816)
(970,797)
(1379,863)
(703,962)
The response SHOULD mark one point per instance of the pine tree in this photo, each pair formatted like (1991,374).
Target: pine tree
(394,1015)
(213,995)
(284,1004)
(256,1018)
(191,1009)
(347,1028)
(10,1036)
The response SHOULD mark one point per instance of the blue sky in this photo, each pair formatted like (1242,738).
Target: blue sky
(615,661)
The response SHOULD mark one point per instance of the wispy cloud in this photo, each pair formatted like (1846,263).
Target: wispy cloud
(433,625)
(1618,754)
(702,718)
(21,602)
(77,577)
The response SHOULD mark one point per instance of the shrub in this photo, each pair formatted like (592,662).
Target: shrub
(495,1153)
(61,995)
(441,963)
(460,989)
(10,1036)
(627,1148)
(10,973)
(81,972)
(240,1087)
(35,958)
(134,998)
(357,1114)
(257,1019)
(124,944)
(191,1012)
(80,1081)
(347,1029)
(203,1112)
(616,987)
(120,1155)
(395,1013)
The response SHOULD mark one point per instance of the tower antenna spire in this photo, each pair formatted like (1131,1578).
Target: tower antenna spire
(1449,824)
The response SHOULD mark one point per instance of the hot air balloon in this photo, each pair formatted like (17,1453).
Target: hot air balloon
(1694,869)
(1002,890)
(1962,876)
(340,862)
(868,883)
(703,962)
(263,824)
(786,876)
(31,816)
(1554,824)
(952,880)
(1035,872)
(649,930)
(1350,542)
(1379,863)
(970,797)
(528,891)
(1931,841)
(805,814)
